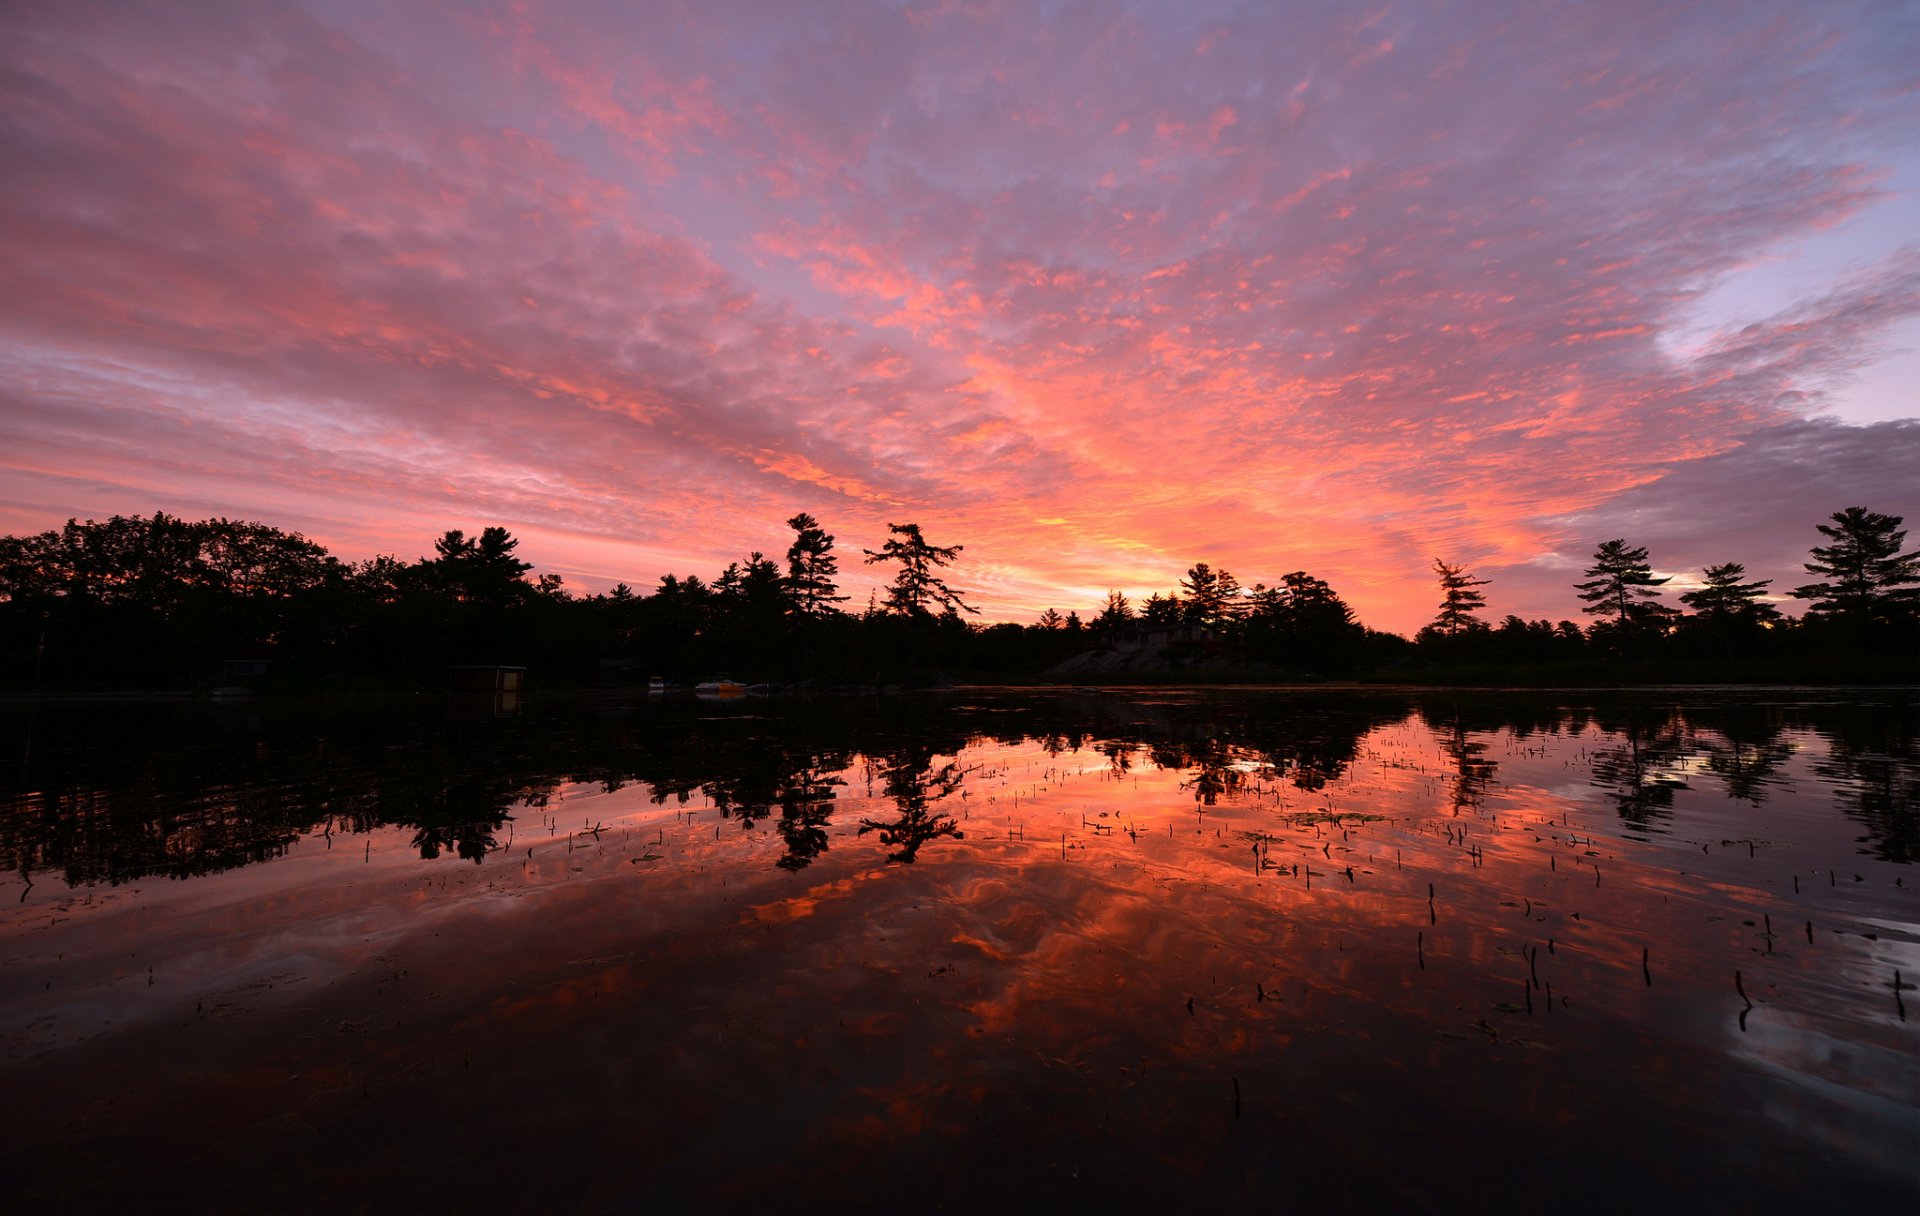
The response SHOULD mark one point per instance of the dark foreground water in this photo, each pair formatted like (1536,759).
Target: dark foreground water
(1148,951)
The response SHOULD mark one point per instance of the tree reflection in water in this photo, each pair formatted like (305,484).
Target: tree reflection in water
(1875,770)
(1472,771)
(1750,752)
(806,807)
(750,789)
(113,794)
(465,813)
(912,782)
(1119,756)
(1215,774)
(1636,771)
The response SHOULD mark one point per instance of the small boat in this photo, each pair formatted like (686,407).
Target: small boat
(656,684)
(721,686)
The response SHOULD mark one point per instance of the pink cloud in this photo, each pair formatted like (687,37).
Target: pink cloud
(1332,293)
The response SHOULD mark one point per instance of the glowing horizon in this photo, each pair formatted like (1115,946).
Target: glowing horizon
(1097,296)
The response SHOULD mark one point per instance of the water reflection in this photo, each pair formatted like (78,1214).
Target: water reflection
(913,783)
(1186,947)
(1637,767)
(1875,771)
(119,792)
(806,807)
(1750,750)
(1473,771)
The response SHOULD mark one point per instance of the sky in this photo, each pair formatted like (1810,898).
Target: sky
(1095,290)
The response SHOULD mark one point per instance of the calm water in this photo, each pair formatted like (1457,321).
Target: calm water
(1241,951)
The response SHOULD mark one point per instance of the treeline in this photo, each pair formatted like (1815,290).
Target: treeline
(139,602)
(1862,621)
(1862,618)
(144,602)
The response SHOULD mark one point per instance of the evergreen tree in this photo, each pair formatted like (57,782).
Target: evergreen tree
(916,586)
(1459,599)
(811,568)
(1116,612)
(1724,601)
(1867,580)
(1212,596)
(762,591)
(480,570)
(1621,585)
(1727,607)
(1303,622)
(677,613)
(1161,609)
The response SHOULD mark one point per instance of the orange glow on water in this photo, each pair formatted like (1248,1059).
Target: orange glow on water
(1146,898)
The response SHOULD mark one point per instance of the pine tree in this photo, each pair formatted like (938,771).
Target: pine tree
(1115,613)
(1212,596)
(811,567)
(481,570)
(1621,584)
(1724,601)
(1868,581)
(1161,609)
(1459,601)
(915,585)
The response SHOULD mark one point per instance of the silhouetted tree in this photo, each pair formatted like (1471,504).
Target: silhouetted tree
(1621,584)
(1161,609)
(249,559)
(1303,623)
(1728,608)
(916,585)
(811,568)
(1459,599)
(759,589)
(1115,613)
(1212,596)
(384,579)
(1725,602)
(675,619)
(1051,620)
(481,570)
(1867,580)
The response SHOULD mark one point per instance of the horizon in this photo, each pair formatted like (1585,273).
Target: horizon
(873,588)
(1096,297)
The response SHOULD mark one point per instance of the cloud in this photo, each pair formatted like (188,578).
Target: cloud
(1756,503)
(1329,292)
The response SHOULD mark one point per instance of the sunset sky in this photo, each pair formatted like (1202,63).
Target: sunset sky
(1097,290)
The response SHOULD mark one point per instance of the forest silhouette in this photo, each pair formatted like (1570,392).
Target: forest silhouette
(157,602)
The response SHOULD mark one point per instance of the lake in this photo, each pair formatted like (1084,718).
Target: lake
(1145,949)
